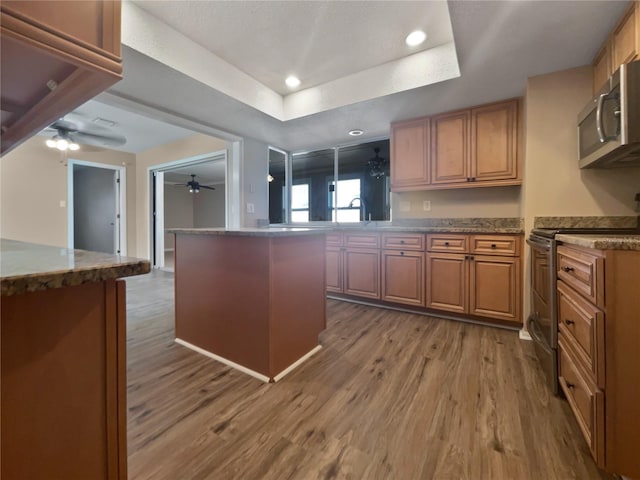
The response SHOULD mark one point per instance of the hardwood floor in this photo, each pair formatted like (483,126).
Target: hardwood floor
(390,396)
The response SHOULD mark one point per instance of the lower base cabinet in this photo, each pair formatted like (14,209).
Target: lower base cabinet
(447,282)
(403,277)
(494,287)
(362,272)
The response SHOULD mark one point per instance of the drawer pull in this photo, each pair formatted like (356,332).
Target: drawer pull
(402,253)
(567,269)
(446,244)
(402,242)
(570,385)
(493,245)
(569,322)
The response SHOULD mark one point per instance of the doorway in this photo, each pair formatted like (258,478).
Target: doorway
(96,213)
(188,193)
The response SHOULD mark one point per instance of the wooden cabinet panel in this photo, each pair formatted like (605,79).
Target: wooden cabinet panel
(334,269)
(582,324)
(409,154)
(495,245)
(403,241)
(625,43)
(63,391)
(583,271)
(585,399)
(361,240)
(362,272)
(494,142)
(450,148)
(494,287)
(447,242)
(602,67)
(403,277)
(334,239)
(447,282)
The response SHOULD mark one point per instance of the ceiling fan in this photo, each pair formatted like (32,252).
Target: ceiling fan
(194,185)
(69,134)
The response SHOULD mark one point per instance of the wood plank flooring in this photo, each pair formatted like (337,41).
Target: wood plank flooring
(390,396)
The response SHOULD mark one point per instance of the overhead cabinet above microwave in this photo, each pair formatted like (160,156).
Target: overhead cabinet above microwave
(609,126)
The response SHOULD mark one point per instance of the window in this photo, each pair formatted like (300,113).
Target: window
(349,206)
(300,202)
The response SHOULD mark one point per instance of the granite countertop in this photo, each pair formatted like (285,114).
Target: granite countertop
(602,242)
(587,222)
(29,267)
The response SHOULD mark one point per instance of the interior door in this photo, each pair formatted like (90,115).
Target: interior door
(158,219)
(95,209)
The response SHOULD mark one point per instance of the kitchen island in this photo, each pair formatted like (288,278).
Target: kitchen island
(253,299)
(63,364)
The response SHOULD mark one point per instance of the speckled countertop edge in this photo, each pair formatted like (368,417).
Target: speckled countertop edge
(602,242)
(27,267)
(587,222)
(250,232)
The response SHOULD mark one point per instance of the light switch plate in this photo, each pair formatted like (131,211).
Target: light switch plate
(426,205)
(405,206)
(251,208)
(63,203)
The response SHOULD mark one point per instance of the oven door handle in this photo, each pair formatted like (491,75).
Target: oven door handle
(534,331)
(544,245)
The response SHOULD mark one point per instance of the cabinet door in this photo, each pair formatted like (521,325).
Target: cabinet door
(362,272)
(409,154)
(450,148)
(402,277)
(447,282)
(602,67)
(334,269)
(493,142)
(494,287)
(625,39)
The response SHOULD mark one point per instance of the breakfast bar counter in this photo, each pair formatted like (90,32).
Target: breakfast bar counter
(253,299)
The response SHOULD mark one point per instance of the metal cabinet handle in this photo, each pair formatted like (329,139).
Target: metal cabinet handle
(570,385)
(402,253)
(569,322)
(567,269)
(402,242)
(446,244)
(493,245)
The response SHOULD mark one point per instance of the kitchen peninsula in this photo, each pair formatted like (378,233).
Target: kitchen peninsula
(63,362)
(253,299)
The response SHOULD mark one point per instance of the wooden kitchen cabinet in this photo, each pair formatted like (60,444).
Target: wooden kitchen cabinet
(450,148)
(598,333)
(410,154)
(474,147)
(402,268)
(447,282)
(621,46)
(56,55)
(494,287)
(486,285)
(362,272)
(334,269)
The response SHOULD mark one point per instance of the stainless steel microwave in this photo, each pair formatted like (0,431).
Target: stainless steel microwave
(609,126)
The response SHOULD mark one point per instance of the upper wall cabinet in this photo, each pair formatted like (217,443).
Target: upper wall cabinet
(475,147)
(56,55)
(410,151)
(622,46)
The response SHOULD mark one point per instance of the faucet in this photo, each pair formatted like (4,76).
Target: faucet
(363,208)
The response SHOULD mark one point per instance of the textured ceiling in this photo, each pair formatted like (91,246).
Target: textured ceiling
(318,41)
(499,45)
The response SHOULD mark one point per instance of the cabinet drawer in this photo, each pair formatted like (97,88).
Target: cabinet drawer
(585,399)
(447,243)
(362,240)
(583,325)
(333,239)
(403,241)
(495,245)
(583,271)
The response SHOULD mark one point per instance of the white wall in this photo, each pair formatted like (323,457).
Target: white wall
(33,182)
(254,184)
(209,207)
(178,210)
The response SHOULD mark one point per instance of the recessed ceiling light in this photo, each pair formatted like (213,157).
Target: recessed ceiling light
(356,133)
(416,38)
(292,82)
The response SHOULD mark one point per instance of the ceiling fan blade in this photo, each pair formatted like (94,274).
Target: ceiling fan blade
(102,140)
(64,125)
(208,188)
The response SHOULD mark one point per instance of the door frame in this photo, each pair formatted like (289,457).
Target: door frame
(156,240)
(121,202)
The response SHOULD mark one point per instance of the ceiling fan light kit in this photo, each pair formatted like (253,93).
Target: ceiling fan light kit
(194,185)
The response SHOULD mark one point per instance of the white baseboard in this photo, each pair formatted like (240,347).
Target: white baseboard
(244,369)
(524,334)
